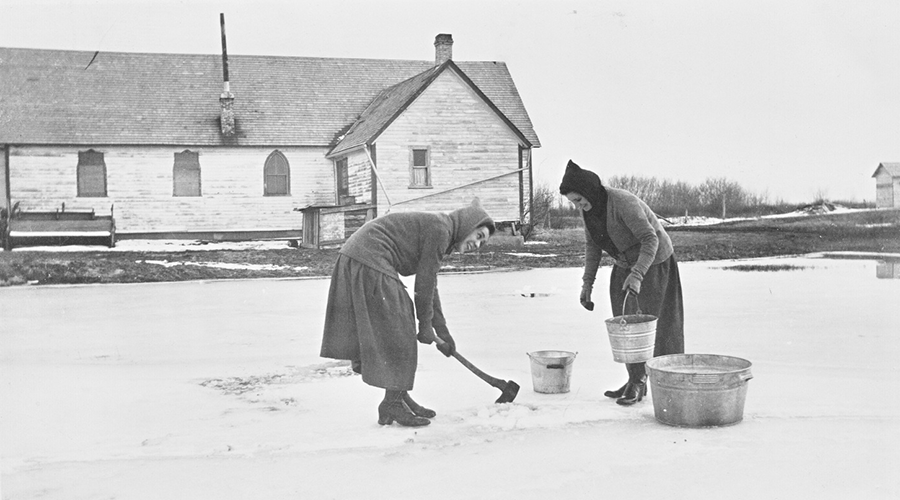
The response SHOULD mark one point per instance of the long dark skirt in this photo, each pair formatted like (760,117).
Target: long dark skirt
(660,296)
(371,319)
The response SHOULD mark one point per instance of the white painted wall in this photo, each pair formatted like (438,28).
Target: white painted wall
(468,142)
(887,190)
(139,185)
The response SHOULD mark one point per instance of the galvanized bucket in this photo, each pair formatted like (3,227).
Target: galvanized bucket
(632,337)
(551,371)
(698,390)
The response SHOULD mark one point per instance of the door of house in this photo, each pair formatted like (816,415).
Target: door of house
(310,227)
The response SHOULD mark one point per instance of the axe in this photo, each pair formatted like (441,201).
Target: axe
(508,388)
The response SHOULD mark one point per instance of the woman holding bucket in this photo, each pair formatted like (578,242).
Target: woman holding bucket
(369,318)
(622,225)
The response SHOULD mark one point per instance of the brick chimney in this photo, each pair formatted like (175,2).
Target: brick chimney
(227,101)
(443,48)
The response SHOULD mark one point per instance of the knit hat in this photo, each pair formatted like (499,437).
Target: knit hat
(583,182)
(467,219)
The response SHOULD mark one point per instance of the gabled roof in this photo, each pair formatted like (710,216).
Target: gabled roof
(892,168)
(384,109)
(391,102)
(76,97)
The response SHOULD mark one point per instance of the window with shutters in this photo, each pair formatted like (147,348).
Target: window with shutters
(91,173)
(419,168)
(277,173)
(186,174)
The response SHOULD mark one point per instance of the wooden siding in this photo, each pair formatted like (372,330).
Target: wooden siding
(331,226)
(527,193)
(360,176)
(4,202)
(887,190)
(467,143)
(140,186)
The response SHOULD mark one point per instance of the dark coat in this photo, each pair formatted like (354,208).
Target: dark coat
(369,316)
(641,246)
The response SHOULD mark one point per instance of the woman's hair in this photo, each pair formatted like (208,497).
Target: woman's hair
(490,225)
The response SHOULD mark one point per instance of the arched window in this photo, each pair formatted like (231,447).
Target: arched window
(277,175)
(186,174)
(91,174)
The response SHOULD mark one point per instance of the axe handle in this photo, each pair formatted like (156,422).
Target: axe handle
(495,382)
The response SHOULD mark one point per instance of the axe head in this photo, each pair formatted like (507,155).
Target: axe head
(510,390)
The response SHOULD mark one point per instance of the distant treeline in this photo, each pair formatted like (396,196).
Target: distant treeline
(715,197)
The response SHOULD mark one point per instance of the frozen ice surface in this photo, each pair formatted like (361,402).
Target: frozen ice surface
(215,390)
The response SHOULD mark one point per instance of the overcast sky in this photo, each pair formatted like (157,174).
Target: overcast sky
(793,99)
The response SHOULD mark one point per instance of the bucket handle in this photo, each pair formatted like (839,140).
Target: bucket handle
(625,301)
(558,366)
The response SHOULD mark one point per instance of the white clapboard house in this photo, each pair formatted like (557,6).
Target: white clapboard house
(225,147)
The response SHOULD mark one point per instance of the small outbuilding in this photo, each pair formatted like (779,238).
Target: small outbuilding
(887,185)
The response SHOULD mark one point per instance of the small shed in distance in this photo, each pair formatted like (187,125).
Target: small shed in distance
(887,185)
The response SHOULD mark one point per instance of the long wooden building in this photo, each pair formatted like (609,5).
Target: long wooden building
(172,150)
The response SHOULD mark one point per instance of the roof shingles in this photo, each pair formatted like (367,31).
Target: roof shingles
(55,97)
(892,168)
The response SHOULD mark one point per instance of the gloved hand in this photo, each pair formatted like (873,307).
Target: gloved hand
(585,298)
(633,282)
(426,335)
(448,347)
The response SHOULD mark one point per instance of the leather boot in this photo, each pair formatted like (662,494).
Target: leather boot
(616,394)
(417,409)
(635,372)
(392,408)
(634,392)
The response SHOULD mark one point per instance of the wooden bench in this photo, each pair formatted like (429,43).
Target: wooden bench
(58,227)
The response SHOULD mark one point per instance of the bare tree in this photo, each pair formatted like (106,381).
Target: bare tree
(543,199)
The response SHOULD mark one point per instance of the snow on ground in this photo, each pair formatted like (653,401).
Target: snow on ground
(163,246)
(818,209)
(215,390)
(154,245)
(225,265)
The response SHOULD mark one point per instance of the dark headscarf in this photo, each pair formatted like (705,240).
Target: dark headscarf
(588,185)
